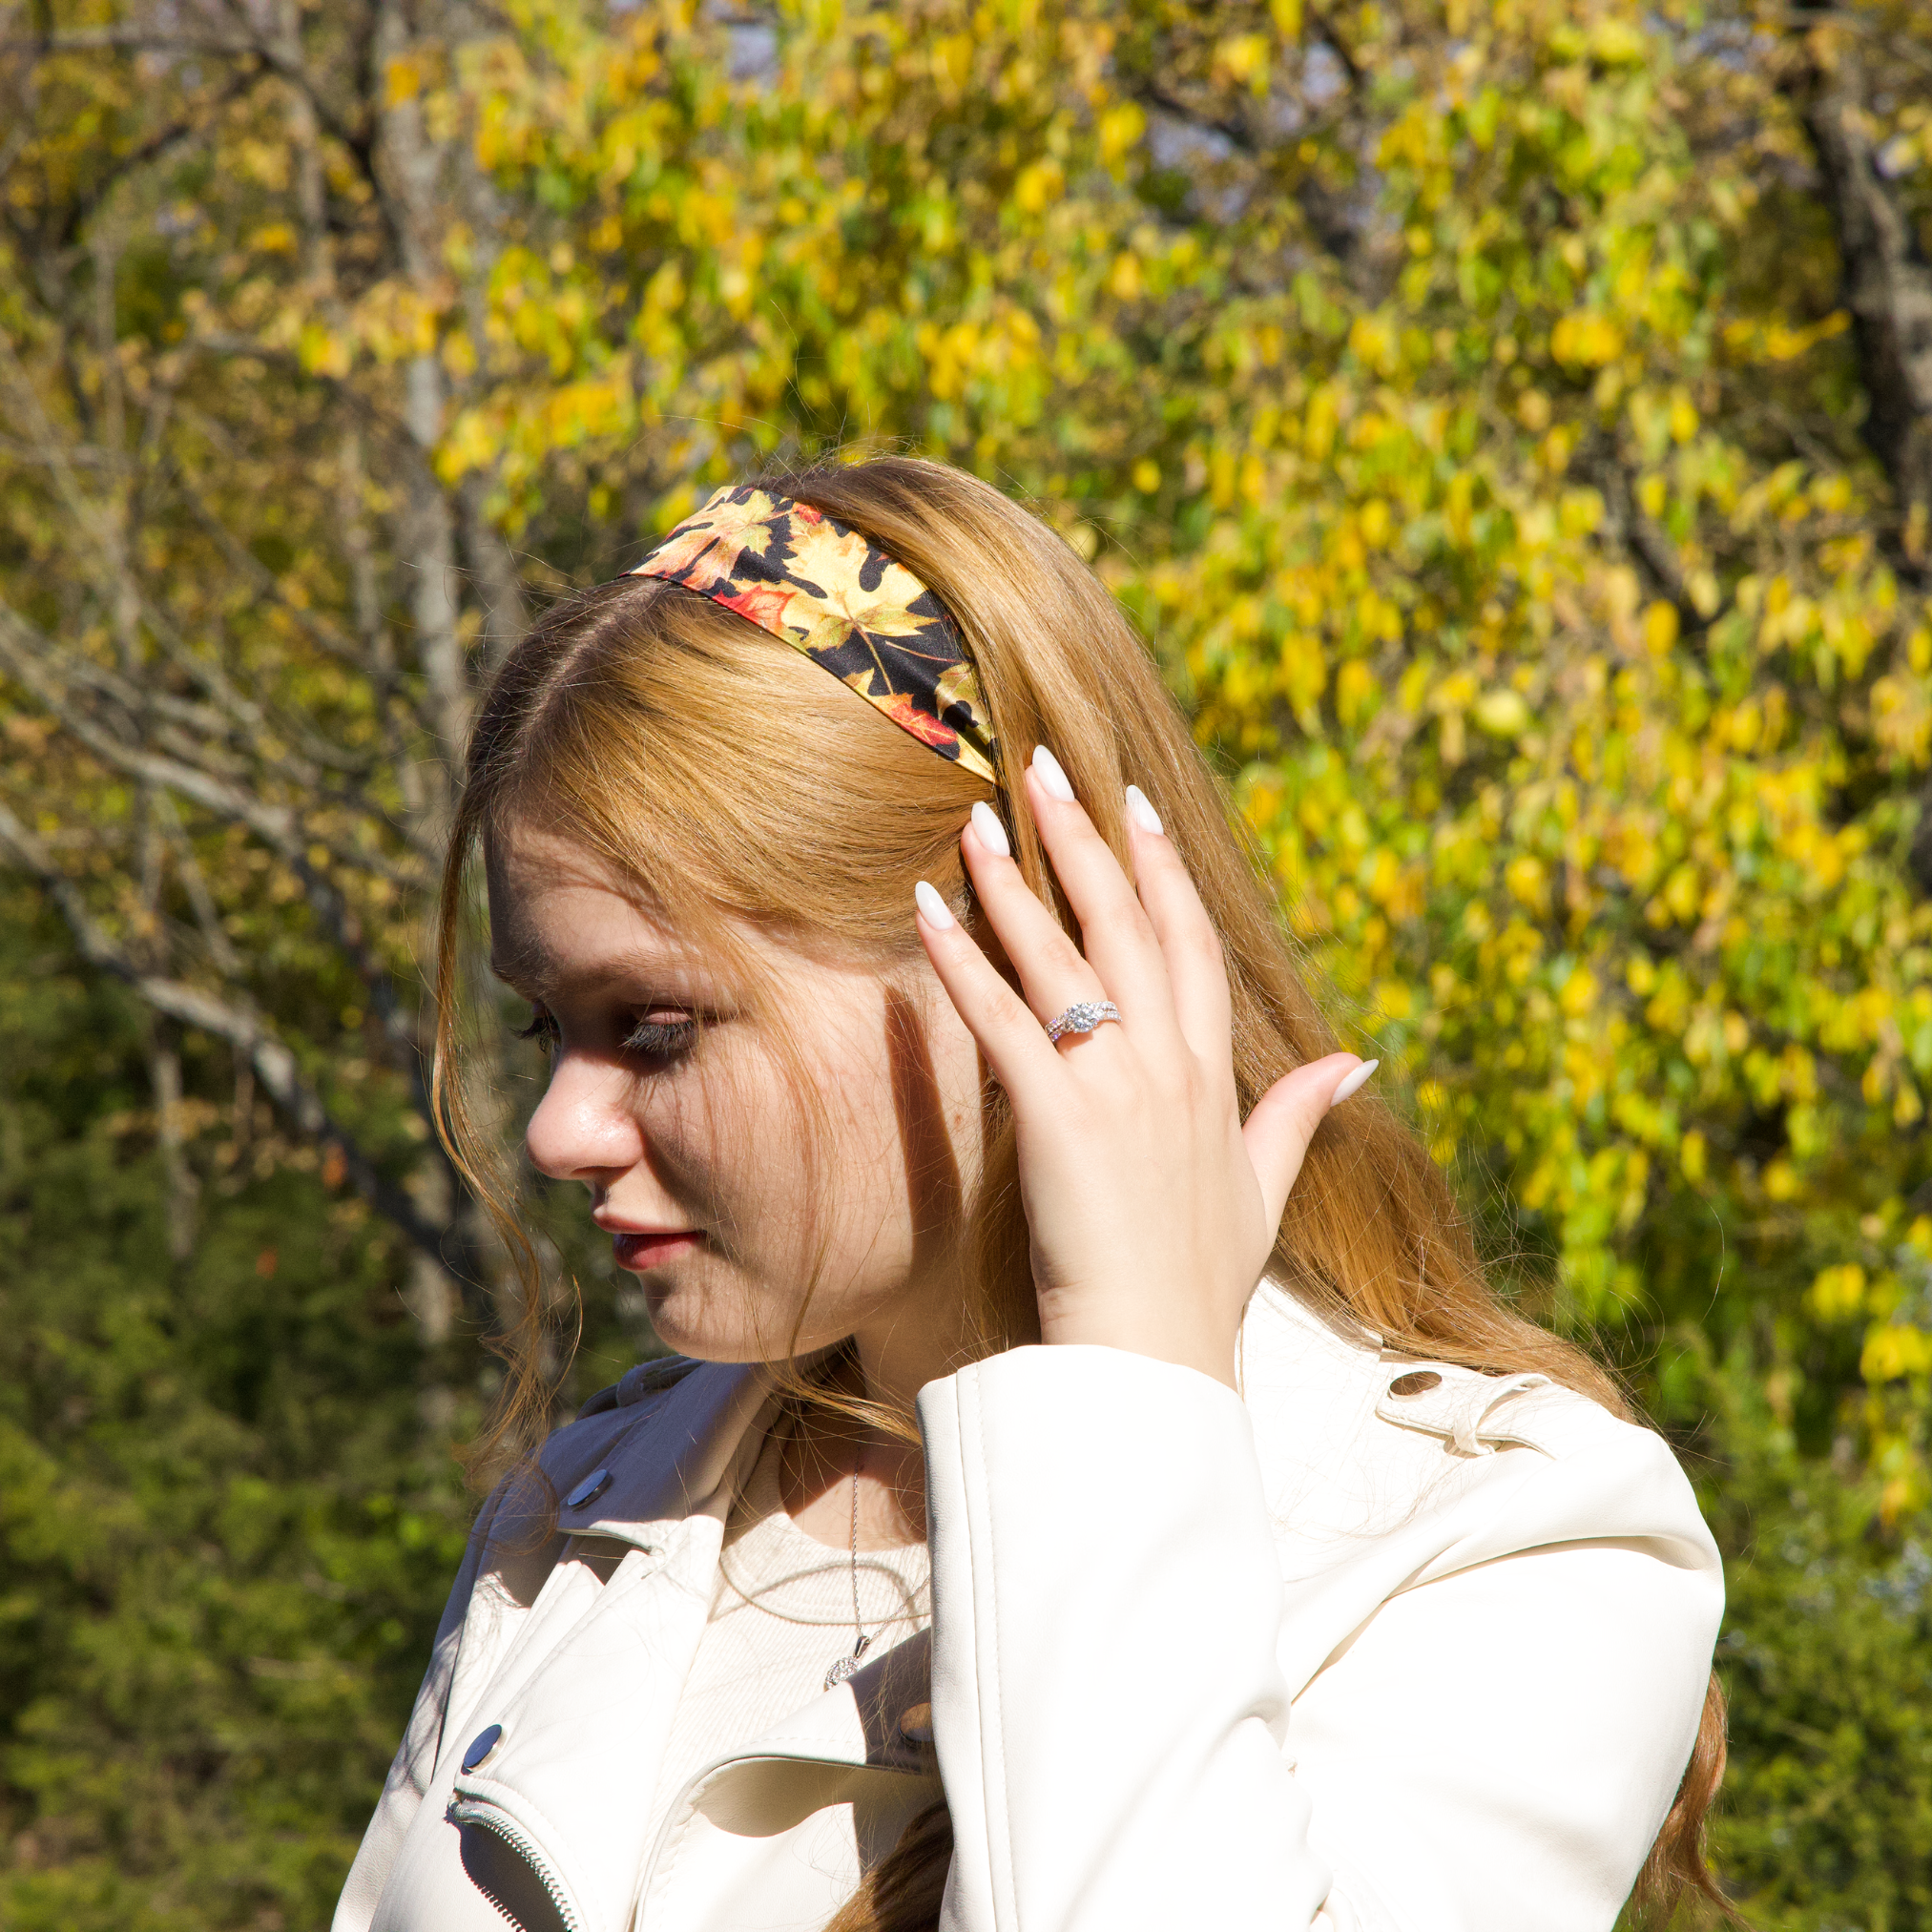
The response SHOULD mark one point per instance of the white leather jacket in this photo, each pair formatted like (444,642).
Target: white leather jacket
(1376,1646)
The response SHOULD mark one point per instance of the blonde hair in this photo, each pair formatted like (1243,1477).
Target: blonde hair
(717,771)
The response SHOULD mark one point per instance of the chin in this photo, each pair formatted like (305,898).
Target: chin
(720,1312)
(688,1324)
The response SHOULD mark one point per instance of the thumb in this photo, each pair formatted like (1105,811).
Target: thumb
(1283,1121)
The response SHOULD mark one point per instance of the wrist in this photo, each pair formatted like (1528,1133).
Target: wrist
(1209,1355)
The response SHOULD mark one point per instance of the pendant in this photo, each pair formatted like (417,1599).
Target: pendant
(846,1666)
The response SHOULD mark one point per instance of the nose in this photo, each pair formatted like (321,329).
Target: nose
(585,1128)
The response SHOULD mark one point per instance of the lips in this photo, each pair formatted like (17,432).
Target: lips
(640,1251)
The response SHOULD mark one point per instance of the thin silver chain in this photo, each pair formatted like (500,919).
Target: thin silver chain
(845,1666)
(858,1621)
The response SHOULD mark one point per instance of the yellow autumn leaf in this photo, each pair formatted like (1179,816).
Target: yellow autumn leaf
(1038,186)
(1892,1350)
(402,80)
(1586,341)
(1501,714)
(1837,1292)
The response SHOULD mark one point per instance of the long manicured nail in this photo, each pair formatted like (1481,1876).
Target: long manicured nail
(1051,776)
(933,908)
(1352,1081)
(1141,812)
(993,835)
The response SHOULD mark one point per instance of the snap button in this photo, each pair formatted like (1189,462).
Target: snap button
(915,1726)
(1420,1383)
(589,1489)
(481,1746)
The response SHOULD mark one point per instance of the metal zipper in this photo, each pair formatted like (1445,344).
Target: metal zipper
(493,1821)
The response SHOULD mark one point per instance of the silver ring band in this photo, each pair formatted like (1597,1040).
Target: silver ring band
(1082,1017)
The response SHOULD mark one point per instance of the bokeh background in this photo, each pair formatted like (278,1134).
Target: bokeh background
(1510,423)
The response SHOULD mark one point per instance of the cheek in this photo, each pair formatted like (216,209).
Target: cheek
(868,1112)
(736,1146)
(726,1143)
(834,1171)
(695,1141)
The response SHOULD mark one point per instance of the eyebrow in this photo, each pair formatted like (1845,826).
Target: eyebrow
(538,973)
(524,970)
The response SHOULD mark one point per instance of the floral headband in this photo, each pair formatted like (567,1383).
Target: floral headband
(816,582)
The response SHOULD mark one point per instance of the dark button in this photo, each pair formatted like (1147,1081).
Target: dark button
(1419,1383)
(589,1489)
(481,1746)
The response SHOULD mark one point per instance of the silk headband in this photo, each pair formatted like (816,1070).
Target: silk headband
(818,585)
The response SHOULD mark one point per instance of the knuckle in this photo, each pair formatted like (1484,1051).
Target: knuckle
(1008,1010)
(1202,957)
(1172,1084)
(1194,1087)
(1127,917)
(1200,945)
(1060,954)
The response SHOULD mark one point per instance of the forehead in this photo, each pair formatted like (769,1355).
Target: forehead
(559,917)
(562,922)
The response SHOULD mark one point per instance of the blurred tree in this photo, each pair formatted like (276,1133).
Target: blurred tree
(1506,417)
(1827,1649)
(223,1535)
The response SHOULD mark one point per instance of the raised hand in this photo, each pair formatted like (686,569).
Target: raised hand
(1151,1205)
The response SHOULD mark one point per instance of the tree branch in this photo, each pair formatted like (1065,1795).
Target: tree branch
(76,215)
(30,659)
(280,827)
(1888,289)
(1648,541)
(269,59)
(1887,281)
(273,1061)
(236,554)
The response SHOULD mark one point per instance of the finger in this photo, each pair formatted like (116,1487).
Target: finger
(1021,1056)
(1191,948)
(1283,1121)
(1052,973)
(1115,933)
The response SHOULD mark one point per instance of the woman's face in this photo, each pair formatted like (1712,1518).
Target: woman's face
(691,1149)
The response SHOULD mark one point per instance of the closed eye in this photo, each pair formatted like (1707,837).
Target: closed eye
(649,1038)
(661,1039)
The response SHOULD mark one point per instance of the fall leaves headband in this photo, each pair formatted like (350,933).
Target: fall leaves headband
(818,585)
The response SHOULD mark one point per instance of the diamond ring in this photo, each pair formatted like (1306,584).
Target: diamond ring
(1082,1017)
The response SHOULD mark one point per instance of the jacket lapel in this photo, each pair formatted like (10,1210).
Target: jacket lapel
(582,1697)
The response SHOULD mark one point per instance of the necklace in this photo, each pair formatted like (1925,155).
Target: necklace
(845,1666)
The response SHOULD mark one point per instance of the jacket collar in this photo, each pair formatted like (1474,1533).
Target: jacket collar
(649,1463)
(672,1436)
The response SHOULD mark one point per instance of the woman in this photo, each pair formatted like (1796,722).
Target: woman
(993,1553)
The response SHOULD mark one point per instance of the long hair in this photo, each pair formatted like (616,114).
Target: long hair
(729,780)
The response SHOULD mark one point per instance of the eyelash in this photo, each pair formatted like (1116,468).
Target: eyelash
(541,1027)
(648,1039)
(660,1039)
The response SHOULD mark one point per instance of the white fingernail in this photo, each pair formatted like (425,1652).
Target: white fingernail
(992,834)
(1051,776)
(933,908)
(1141,812)
(1353,1082)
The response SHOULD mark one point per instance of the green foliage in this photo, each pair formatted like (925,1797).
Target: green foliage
(1827,1652)
(225,1531)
